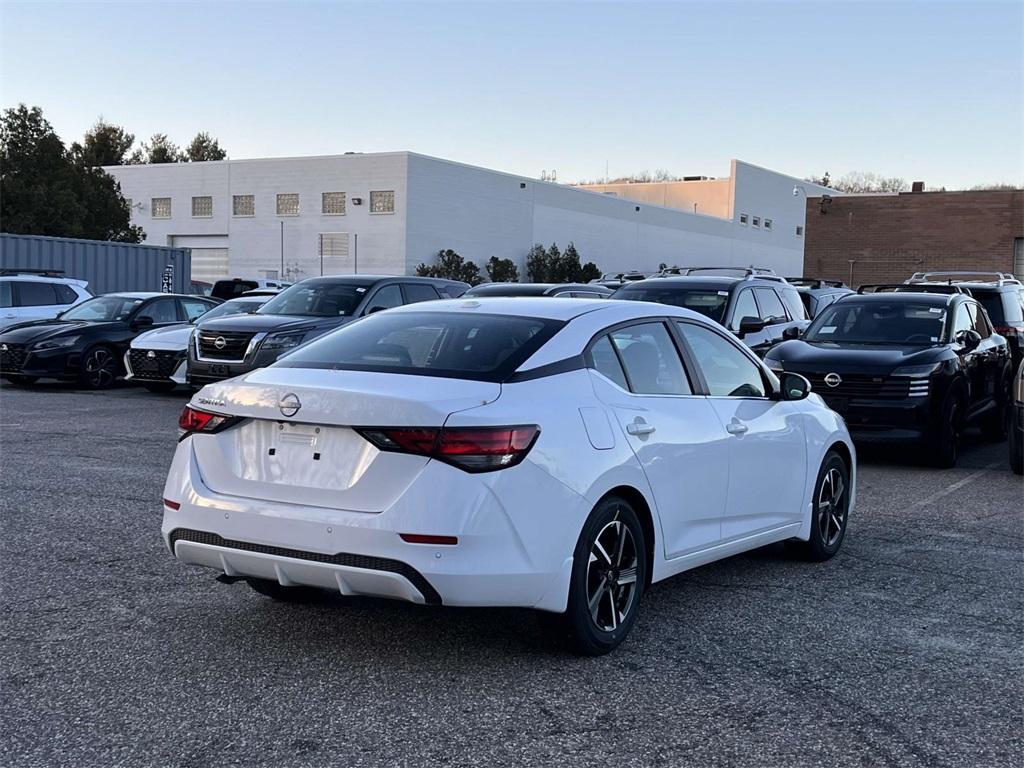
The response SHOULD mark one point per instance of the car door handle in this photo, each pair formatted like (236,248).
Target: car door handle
(640,428)
(737,428)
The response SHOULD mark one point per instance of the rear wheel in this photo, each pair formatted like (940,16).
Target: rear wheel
(281,593)
(21,381)
(997,423)
(1017,450)
(945,449)
(609,566)
(99,368)
(830,509)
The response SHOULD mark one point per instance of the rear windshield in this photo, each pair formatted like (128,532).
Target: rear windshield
(876,322)
(708,302)
(227,289)
(458,345)
(317,300)
(1002,307)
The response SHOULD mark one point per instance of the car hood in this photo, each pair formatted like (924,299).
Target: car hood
(169,337)
(38,330)
(257,323)
(827,356)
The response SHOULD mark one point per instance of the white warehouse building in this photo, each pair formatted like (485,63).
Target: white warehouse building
(385,213)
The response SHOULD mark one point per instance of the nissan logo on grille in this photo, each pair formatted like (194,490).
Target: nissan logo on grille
(3,347)
(833,380)
(289,405)
(151,354)
(220,342)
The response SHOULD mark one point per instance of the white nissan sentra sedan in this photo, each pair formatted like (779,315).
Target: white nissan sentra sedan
(557,454)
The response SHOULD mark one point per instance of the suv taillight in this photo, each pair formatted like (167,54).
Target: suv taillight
(1005,330)
(473,449)
(193,420)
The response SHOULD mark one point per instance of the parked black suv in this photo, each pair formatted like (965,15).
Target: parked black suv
(905,367)
(760,309)
(1001,295)
(230,346)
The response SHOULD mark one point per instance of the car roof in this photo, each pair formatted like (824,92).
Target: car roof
(711,282)
(550,307)
(151,294)
(373,279)
(532,289)
(42,278)
(917,297)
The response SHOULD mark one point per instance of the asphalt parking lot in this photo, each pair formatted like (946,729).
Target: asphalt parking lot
(906,649)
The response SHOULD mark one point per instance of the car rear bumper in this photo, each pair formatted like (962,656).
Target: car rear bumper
(361,553)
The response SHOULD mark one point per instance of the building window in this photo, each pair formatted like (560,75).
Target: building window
(743,219)
(333,203)
(288,205)
(383,201)
(202,207)
(243,205)
(757,221)
(160,207)
(767,223)
(799,231)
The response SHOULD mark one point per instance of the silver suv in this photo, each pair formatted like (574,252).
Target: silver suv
(36,294)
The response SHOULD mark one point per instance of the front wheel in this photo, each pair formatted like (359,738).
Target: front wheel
(945,450)
(608,570)
(99,369)
(830,510)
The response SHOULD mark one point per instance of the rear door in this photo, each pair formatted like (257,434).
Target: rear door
(766,444)
(675,434)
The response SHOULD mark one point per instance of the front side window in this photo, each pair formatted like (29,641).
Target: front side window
(103,308)
(772,310)
(333,203)
(382,201)
(162,311)
(745,307)
(979,321)
(243,205)
(879,322)
(160,207)
(316,300)
(32,294)
(288,205)
(447,344)
(791,298)
(202,207)
(650,360)
(388,297)
(710,303)
(727,371)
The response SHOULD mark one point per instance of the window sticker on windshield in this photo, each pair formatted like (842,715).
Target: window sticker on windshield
(827,329)
(360,290)
(935,310)
(723,293)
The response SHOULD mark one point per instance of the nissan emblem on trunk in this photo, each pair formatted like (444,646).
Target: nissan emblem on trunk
(289,405)
(833,380)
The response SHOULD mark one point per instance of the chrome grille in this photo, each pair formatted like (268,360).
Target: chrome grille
(862,387)
(223,345)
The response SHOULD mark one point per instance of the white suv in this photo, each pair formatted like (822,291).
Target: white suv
(37,295)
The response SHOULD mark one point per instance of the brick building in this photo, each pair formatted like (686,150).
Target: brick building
(882,238)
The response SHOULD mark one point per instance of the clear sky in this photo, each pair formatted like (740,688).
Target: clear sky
(922,90)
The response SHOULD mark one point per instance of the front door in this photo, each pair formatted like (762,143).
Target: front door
(675,434)
(767,452)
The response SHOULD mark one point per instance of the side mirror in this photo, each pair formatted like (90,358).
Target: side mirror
(792,386)
(970,339)
(791,333)
(144,321)
(751,325)
(378,308)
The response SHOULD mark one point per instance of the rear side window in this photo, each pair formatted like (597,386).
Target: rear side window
(65,295)
(5,293)
(417,292)
(460,345)
(772,310)
(388,297)
(32,294)
(791,298)
(605,361)
(650,360)
(1002,306)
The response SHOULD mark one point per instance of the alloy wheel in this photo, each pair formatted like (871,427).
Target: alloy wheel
(99,368)
(831,507)
(612,575)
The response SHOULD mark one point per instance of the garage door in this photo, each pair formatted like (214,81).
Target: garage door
(209,264)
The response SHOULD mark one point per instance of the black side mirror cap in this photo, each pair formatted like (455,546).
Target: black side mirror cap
(970,339)
(792,332)
(792,386)
(145,321)
(751,324)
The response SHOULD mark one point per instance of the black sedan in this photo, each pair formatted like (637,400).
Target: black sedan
(906,367)
(87,343)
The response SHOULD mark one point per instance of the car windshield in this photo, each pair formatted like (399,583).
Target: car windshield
(233,307)
(708,302)
(103,308)
(449,344)
(317,300)
(879,322)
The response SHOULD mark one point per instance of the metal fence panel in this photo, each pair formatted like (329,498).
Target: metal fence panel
(106,266)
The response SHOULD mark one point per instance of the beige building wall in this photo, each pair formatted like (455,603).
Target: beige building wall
(710,198)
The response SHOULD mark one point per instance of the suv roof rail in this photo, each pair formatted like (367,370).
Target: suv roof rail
(939,288)
(747,273)
(9,271)
(951,277)
(815,282)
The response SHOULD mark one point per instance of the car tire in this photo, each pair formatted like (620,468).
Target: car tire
(283,594)
(160,387)
(21,381)
(945,450)
(99,368)
(1016,451)
(607,581)
(830,511)
(996,425)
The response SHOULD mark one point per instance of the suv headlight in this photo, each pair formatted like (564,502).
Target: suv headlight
(62,343)
(283,340)
(775,365)
(917,371)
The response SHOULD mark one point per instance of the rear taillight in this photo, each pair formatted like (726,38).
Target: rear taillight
(193,420)
(473,449)
(1006,330)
